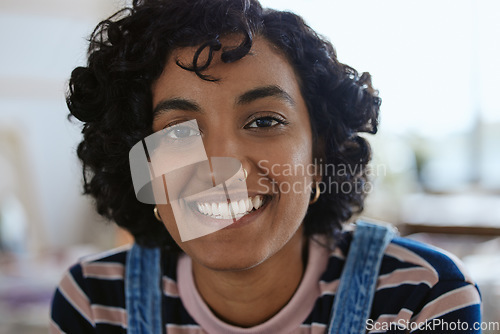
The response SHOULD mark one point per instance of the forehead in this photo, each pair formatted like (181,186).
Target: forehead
(263,66)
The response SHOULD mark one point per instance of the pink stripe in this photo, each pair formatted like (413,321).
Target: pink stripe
(383,322)
(170,287)
(406,255)
(76,297)
(405,314)
(318,328)
(387,318)
(449,302)
(337,253)
(413,276)
(329,288)
(111,252)
(104,270)
(54,328)
(110,315)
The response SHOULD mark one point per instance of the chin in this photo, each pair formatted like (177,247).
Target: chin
(220,258)
(233,267)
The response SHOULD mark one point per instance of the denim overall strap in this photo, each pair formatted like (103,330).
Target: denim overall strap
(353,300)
(143,290)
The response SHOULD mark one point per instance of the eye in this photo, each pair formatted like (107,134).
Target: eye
(265,122)
(177,132)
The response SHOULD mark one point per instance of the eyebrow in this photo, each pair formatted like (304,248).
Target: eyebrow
(176,103)
(263,92)
(248,97)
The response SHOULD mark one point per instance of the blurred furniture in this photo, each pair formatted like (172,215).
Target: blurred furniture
(461,214)
(19,208)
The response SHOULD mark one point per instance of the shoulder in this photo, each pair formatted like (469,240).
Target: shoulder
(91,293)
(106,266)
(416,259)
(109,265)
(424,282)
(406,260)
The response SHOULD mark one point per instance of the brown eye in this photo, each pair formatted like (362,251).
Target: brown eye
(264,122)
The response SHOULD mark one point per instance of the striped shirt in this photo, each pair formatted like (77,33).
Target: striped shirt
(420,289)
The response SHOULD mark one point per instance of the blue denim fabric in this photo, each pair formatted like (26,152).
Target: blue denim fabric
(143,290)
(354,296)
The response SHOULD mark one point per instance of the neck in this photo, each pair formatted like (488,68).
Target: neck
(250,297)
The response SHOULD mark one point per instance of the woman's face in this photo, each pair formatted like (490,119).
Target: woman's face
(254,113)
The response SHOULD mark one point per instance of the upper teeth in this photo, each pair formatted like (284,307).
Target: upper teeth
(223,210)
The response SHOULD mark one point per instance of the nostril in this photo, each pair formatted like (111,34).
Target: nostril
(224,168)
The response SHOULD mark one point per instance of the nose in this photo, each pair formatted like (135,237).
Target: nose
(223,143)
(226,153)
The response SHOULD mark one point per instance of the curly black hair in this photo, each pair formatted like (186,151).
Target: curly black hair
(127,53)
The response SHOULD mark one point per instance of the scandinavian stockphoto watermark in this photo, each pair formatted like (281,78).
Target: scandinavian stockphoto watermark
(432,325)
(333,178)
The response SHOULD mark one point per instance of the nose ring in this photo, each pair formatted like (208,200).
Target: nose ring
(245,173)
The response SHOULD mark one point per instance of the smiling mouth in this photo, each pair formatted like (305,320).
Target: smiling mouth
(234,209)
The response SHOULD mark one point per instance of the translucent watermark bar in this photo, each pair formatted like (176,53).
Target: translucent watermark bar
(171,166)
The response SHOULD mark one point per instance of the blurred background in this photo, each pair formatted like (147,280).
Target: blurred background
(436,168)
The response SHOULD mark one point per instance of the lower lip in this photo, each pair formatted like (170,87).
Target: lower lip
(245,220)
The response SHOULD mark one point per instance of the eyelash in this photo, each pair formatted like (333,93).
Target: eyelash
(280,121)
(173,123)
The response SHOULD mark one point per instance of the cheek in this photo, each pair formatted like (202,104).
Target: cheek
(297,175)
(168,218)
(291,171)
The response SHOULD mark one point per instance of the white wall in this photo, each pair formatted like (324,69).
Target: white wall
(41,42)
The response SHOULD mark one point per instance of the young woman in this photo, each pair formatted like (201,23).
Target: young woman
(262,88)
